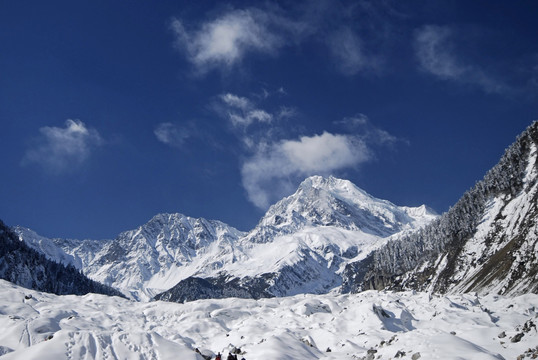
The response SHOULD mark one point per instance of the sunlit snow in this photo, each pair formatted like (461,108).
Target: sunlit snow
(381,324)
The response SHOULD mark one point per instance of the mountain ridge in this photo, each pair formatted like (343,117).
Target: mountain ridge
(331,236)
(304,240)
(326,223)
(24,266)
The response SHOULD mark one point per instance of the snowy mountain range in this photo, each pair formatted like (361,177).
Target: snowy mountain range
(156,255)
(331,236)
(308,265)
(304,241)
(302,244)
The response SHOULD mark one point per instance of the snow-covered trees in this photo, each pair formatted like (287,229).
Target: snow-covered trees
(24,266)
(449,233)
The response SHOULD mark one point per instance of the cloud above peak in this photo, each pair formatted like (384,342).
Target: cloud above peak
(274,160)
(58,150)
(272,170)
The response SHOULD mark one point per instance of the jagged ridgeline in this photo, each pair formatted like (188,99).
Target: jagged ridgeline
(26,267)
(487,242)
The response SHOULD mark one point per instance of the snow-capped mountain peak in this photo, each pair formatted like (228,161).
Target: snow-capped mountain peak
(328,201)
(301,244)
(148,259)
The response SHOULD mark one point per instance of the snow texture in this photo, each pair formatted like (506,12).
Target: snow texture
(352,326)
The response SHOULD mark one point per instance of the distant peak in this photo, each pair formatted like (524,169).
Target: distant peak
(318,181)
(335,186)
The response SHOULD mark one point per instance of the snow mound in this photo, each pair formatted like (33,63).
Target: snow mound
(356,326)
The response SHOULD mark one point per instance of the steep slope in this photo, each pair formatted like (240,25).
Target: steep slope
(328,201)
(304,241)
(26,267)
(149,259)
(488,242)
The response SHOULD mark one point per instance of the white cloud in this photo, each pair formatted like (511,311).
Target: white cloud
(259,116)
(236,101)
(59,149)
(267,175)
(224,41)
(171,134)
(240,111)
(286,112)
(435,54)
(324,153)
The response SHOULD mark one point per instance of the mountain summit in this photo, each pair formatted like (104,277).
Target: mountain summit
(304,241)
(328,201)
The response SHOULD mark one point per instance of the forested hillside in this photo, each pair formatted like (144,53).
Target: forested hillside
(486,242)
(26,267)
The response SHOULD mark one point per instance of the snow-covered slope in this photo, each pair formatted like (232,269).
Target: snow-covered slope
(301,245)
(149,259)
(487,242)
(369,325)
(304,242)
(328,201)
(27,267)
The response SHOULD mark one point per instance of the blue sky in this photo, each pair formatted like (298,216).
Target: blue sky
(113,112)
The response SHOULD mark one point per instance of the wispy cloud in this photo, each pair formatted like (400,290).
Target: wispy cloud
(270,173)
(436,55)
(240,111)
(274,161)
(349,54)
(172,134)
(225,40)
(57,149)
(361,125)
(235,101)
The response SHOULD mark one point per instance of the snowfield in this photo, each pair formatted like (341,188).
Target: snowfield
(368,325)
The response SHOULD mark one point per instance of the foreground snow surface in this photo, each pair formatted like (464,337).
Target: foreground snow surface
(46,326)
